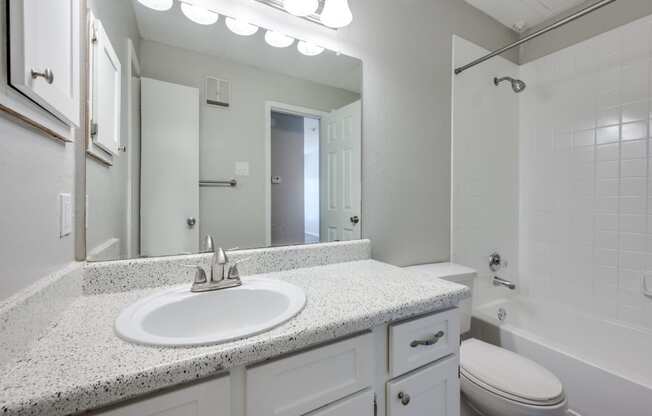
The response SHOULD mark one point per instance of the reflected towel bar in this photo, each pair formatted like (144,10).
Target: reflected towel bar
(232,183)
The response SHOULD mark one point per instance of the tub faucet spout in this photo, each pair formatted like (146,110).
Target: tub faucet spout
(504,283)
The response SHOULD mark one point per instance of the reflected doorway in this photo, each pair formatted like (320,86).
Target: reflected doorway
(295,189)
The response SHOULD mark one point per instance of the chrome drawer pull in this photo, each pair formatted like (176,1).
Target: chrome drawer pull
(427,342)
(47,75)
(404,398)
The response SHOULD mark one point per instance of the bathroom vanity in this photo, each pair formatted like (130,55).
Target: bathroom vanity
(372,339)
(341,378)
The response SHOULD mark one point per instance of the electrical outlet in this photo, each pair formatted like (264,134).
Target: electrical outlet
(65,215)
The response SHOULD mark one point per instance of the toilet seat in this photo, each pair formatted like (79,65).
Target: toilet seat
(509,375)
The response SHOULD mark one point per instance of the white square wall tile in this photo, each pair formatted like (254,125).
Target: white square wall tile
(607,134)
(633,242)
(634,149)
(606,222)
(605,152)
(634,131)
(638,111)
(633,205)
(608,116)
(633,187)
(608,188)
(584,138)
(608,170)
(633,223)
(634,168)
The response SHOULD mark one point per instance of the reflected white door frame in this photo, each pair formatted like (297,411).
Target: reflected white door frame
(274,106)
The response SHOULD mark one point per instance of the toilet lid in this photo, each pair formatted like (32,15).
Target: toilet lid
(508,374)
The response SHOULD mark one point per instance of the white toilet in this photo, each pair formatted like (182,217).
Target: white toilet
(495,381)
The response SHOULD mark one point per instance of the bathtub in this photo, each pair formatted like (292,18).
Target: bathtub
(606,367)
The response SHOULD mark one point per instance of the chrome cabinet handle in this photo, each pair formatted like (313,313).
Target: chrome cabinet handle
(404,398)
(47,74)
(191,222)
(427,342)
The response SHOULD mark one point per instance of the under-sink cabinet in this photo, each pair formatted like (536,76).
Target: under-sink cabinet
(408,368)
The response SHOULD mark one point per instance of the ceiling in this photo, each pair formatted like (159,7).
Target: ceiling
(174,29)
(530,13)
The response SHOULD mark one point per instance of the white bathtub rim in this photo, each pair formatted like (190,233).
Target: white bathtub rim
(507,327)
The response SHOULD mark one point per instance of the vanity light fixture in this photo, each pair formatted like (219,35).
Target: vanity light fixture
(199,14)
(278,40)
(159,5)
(240,27)
(336,14)
(309,49)
(301,7)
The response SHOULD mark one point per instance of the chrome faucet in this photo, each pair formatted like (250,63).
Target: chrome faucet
(504,283)
(219,278)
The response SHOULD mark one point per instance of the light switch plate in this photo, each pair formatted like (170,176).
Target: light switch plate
(242,168)
(65,215)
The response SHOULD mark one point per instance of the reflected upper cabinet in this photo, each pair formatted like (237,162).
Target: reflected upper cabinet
(44,54)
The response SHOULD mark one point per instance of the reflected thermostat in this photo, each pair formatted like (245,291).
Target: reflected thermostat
(276,180)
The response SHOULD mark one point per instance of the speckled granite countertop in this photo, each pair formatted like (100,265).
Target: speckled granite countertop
(80,364)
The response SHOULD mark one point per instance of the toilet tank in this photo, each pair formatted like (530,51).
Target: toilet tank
(457,274)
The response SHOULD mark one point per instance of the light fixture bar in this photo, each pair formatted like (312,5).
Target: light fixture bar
(314,18)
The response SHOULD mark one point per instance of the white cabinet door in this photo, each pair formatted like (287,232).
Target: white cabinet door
(361,404)
(431,391)
(44,54)
(106,91)
(210,398)
(341,174)
(301,383)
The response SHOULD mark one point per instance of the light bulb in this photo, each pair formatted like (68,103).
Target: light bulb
(309,49)
(336,13)
(240,27)
(199,14)
(301,7)
(278,40)
(160,5)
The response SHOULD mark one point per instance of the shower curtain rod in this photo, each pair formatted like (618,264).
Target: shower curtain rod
(536,34)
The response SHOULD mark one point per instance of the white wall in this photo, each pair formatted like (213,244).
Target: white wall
(107,185)
(235,217)
(485,166)
(585,176)
(34,169)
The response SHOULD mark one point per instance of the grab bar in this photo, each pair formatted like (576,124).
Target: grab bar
(232,183)
(646,291)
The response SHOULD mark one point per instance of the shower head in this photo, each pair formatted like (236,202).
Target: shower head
(517,84)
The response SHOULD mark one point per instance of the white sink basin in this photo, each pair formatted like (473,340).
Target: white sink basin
(177,317)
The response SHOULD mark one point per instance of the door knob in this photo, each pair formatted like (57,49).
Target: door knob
(404,398)
(191,222)
(355,219)
(47,74)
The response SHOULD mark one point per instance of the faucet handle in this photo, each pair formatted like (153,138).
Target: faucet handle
(234,273)
(200,274)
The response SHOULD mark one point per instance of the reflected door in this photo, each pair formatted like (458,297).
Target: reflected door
(341,174)
(169,168)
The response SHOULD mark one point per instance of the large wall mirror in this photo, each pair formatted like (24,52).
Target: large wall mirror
(195,130)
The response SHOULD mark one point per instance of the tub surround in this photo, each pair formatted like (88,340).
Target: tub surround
(80,364)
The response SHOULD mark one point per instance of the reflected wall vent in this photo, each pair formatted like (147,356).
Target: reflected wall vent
(218,92)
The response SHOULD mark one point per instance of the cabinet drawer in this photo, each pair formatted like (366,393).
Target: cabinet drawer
(431,391)
(361,404)
(304,382)
(420,341)
(209,398)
